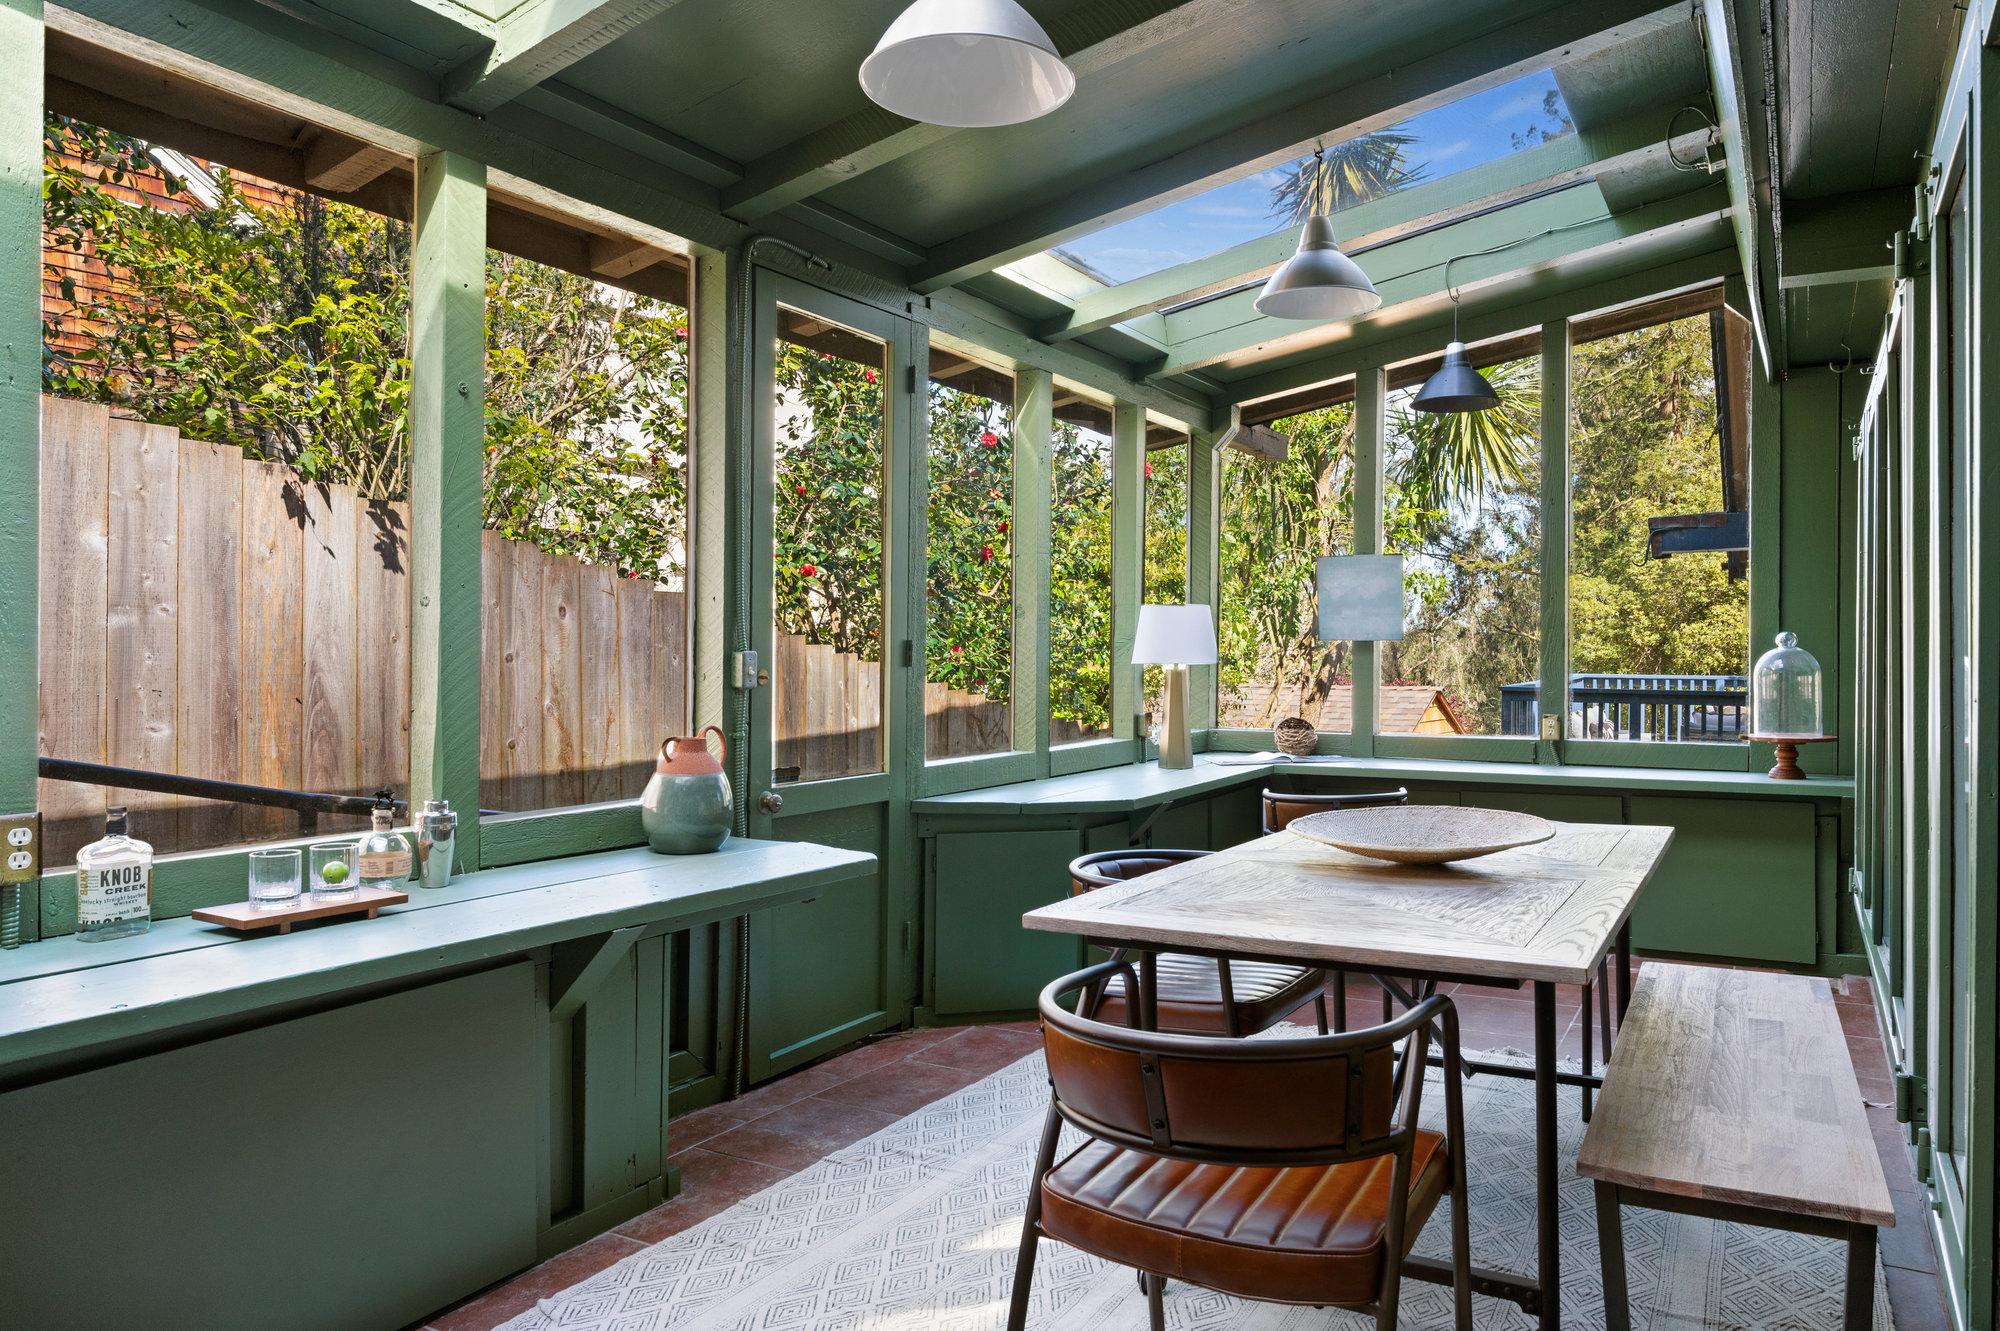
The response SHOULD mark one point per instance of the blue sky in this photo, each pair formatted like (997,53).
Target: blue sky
(1467,133)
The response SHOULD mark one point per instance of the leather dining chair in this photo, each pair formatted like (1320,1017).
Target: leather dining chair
(1286,1171)
(1281,807)
(1197,995)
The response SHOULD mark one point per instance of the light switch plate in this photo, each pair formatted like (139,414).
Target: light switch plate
(20,847)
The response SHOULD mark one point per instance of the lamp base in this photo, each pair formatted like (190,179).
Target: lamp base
(1176,746)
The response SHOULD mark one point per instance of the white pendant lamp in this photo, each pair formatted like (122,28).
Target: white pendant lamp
(970,64)
(1318,282)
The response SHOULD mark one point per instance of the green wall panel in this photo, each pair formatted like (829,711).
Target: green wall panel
(1557,806)
(1738,880)
(986,962)
(177,1194)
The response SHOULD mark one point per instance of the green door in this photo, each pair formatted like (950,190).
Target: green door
(837,429)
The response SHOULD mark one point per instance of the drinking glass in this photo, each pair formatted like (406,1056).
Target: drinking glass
(274,879)
(335,871)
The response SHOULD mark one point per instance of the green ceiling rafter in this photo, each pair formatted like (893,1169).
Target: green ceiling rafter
(1627,143)
(1565,228)
(1419,78)
(538,41)
(1562,299)
(1751,197)
(1091,38)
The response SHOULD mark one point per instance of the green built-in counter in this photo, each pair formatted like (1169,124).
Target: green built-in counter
(1752,875)
(360,1122)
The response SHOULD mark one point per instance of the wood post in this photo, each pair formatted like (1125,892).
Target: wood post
(1371,428)
(1204,563)
(1554,692)
(447,437)
(1128,561)
(1034,427)
(710,404)
(20,394)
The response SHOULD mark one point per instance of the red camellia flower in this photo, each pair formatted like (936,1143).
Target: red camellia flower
(1149,471)
(802,489)
(1003,529)
(869,375)
(956,650)
(986,552)
(990,439)
(681,333)
(809,570)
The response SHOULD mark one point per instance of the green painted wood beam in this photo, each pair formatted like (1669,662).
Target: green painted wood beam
(1205,555)
(1371,439)
(1845,238)
(1478,323)
(20,396)
(1420,77)
(973,320)
(539,41)
(1555,524)
(1539,234)
(447,456)
(1727,83)
(1128,560)
(1090,38)
(711,409)
(1570,160)
(1034,426)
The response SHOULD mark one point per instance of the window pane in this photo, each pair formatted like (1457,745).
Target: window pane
(1282,508)
(969,591)
(583,671)
(1166,522)
(826,699)
(1464,510)
(1659,646)
(1080,578)
(224,525)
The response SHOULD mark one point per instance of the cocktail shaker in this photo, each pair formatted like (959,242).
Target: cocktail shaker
(437,833)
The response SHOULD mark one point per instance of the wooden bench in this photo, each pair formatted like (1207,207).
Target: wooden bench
(1730,1095)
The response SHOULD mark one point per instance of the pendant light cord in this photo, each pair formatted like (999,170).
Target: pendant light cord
(1452,291)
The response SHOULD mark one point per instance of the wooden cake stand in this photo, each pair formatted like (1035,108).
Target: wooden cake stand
(1787,767)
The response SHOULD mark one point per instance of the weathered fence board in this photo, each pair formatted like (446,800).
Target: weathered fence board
(75,504)
(141,629)
(272,733)
(210,590)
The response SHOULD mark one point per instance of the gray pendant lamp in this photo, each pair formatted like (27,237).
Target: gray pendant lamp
(1456,386)
(969,64)
(1318,282)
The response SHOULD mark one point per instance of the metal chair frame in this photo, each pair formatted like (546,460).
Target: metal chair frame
(1414,1026)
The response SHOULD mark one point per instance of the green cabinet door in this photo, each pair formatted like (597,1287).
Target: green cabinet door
(1738,881)
(984,882)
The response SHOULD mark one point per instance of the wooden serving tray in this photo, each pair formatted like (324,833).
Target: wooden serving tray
(241,915)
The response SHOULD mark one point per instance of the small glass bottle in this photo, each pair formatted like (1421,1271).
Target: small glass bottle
(385,857)
(114,884)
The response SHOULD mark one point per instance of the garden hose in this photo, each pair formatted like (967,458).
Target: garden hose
(743,455)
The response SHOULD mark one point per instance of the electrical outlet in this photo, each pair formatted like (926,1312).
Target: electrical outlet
(23,835)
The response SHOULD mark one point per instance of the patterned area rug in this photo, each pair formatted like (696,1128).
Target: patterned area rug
(917,1227)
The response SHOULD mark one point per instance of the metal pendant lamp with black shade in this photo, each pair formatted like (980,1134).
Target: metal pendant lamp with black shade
(969,64)
(1318,282)
(1456,386)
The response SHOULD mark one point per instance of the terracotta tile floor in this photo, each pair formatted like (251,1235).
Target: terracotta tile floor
(730,1151)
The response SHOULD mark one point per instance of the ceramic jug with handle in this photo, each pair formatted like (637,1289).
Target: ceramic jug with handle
(687,809)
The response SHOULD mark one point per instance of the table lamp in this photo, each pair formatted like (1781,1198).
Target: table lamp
(1176,637)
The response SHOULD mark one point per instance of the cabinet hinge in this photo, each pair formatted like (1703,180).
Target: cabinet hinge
(1909,1089)
(909,934)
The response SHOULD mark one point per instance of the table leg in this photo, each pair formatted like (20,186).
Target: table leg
(1860,1301)
(1149,991)
(1624,948)
(1548,1274)
(1611,1250)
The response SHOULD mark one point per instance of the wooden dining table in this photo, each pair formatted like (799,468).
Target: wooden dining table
(1539,916)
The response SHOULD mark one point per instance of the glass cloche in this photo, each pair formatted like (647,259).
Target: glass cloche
(1785,691)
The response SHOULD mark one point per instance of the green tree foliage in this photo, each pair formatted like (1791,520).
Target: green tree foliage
(828,511)
(1080,578)
(969,579)
(277,329)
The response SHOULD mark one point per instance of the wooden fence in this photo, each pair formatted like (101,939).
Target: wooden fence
(215,616)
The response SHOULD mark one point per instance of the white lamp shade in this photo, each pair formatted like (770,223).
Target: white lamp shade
(1174,635)
(969,64)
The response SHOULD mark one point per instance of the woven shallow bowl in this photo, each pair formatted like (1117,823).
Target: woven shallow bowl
(1423,833)
(1295,735)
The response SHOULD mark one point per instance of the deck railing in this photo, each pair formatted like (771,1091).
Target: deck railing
(1696,709)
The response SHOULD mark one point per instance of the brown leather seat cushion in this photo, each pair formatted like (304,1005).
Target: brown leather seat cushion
(1302,1235)
(1190,994)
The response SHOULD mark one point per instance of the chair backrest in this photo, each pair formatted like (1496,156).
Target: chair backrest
(1087,873)
(1280,808)
(1318,1100)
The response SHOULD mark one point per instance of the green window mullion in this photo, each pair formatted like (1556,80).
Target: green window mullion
(1371,430)
(1128,560)
(1556,521)
(1034,425)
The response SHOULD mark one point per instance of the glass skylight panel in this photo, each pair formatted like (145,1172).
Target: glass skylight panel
(1469,132)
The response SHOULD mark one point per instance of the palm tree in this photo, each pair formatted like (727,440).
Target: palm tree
(1364,167)
(1454,456)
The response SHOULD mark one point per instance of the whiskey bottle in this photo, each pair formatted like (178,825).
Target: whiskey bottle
(385,858)
(114,884)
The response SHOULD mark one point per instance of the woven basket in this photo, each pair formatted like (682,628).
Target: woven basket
(1295,735)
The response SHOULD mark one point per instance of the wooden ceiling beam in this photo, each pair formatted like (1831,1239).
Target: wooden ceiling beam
(1419,78)
(341,165)
(1090,38)
(538,42)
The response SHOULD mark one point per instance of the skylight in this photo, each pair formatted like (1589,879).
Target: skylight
(1469,132)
